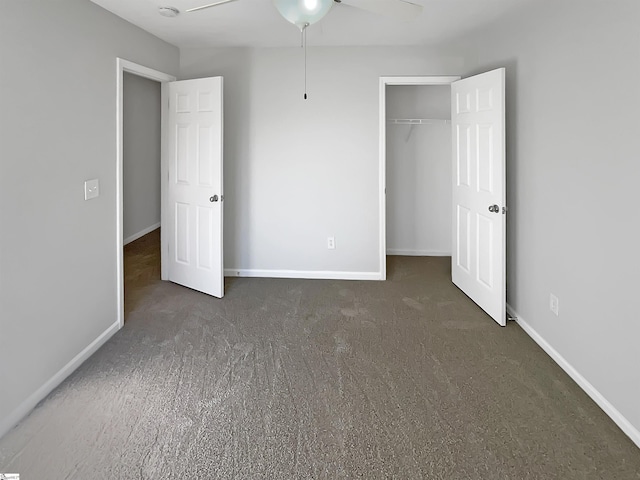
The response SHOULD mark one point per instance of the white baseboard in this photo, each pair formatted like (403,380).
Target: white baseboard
(590,390)
(417,253)
(323,275)
(141,233)
(29,404)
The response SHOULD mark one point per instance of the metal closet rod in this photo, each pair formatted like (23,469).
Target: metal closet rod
(417,121)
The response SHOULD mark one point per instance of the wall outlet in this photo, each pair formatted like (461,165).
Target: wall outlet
(331,243)
(91,189)
(554,303)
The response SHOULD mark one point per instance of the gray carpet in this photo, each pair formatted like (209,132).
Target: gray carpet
(287,379)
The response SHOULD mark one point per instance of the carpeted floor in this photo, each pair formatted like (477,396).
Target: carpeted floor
(289,379)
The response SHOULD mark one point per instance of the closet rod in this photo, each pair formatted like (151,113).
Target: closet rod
(416,121)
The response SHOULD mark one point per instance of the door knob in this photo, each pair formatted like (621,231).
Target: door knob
(494,208)
(214,198)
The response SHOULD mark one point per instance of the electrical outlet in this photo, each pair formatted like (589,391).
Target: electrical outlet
(554,304)
(91,189)
(331,243)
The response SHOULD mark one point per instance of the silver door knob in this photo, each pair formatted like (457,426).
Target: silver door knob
(214,198)
(494,208)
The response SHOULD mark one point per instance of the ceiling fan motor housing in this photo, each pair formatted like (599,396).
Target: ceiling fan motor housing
(303,12)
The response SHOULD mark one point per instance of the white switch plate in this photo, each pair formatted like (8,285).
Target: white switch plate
(91,189)
(331,243)
(554,304)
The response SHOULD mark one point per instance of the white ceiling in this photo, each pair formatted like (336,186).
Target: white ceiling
(257,23)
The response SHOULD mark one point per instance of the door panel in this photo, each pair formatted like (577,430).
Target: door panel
(195,185)
(463,155)
(464,240)
(479,183)
(182,233)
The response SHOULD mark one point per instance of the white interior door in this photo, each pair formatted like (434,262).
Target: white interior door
(478,265)
(194,195)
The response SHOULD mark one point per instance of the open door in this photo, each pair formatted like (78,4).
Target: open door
(478,263)
(193,200)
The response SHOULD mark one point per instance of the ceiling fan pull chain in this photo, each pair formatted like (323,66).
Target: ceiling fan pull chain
(304,32)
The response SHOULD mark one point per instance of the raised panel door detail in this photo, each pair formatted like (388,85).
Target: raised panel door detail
(182,154)
(463,219)
(484,247)
(182,233)
(205,147)
(182,103)
(205,102)
(463,102)
(484,98)
(204,233)
(463,154)
(484,158)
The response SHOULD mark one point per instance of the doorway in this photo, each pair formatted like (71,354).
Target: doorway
(419,170)
(141,186)
(413,111)
(191,192)
(125,66)
(141,156)
(478,183)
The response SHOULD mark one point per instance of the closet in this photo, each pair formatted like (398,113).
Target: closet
(418,170)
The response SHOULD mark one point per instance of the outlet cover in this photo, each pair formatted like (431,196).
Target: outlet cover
(331,243)
(91,189)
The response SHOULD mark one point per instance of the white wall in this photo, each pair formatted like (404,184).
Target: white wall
(573,172)
(418,171)
(141,156)
(296,171)
(57,129)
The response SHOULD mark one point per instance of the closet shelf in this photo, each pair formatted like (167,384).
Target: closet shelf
(416,121)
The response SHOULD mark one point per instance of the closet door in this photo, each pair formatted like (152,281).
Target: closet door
(479,194)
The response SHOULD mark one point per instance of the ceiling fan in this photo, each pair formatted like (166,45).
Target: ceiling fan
(398,9)
(303,13)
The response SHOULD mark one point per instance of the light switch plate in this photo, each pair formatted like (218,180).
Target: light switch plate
(91,189)
(554,304)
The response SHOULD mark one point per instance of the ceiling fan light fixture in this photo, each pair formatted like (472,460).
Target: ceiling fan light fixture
(303,13)
(170,12)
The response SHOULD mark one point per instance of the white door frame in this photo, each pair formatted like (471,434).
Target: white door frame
(122,66)
(384,81)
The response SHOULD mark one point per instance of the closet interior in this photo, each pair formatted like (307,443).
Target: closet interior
(418,170)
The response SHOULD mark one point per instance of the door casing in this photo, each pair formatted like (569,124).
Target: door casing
(382,196)
(122,66)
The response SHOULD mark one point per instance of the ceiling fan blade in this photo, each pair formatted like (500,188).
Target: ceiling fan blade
(399,9)
(220,2)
